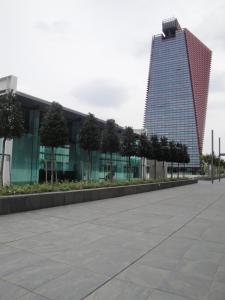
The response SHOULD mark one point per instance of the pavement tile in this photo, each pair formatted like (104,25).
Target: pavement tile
(160,261)
(35,223)
(213,215)
(75,213)
(120,290)
(10,291)
(144,275)
(32,296)
(195,229)
(130,240)
(12,259)
(74,237)
(174,248)
(110,260)
(220,274)
(186,285)
(217,291)
(201,268)
(72,286)
(205,250)
(35,275)
(215,234)
(159,295)
(7,236)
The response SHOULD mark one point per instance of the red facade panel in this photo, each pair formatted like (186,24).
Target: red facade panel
(199,61)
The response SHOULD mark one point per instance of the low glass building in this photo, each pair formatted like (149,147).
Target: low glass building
(26,159)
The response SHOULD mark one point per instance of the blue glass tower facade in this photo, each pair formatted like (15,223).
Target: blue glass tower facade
(170,107)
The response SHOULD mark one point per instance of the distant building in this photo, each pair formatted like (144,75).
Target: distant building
(177,90)
(140,131)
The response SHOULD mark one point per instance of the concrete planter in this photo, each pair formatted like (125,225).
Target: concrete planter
(18,203)
(208,178)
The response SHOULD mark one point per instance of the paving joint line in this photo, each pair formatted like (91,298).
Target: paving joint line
(147,252)
(22,287)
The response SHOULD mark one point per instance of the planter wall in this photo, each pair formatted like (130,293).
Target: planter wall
(208,178)
(18,203)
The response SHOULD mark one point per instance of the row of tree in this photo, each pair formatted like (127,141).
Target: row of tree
(127,143)
(162,150)
(92,137)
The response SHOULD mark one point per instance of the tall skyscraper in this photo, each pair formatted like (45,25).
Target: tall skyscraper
(177,90)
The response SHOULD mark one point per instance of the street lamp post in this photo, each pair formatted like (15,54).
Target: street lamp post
(219,158)
(212,158)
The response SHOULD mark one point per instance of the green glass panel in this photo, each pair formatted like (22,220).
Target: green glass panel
(29,158)
(25,162)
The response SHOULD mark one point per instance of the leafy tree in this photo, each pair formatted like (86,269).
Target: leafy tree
(164,148)
(90,138)
(128,146)
(222,165)
(179,156)
(172,154)
(54,132)
(110,141)
(205,161)
(149,152)
(155,151)
(143,149)
(202,164)
(186,157)
(11,122)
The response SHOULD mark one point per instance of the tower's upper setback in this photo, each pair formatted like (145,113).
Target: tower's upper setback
(170,26)
(177,90)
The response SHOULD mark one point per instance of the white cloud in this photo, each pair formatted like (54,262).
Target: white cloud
(102,93)
(58,26)
(57,46)
(217,83)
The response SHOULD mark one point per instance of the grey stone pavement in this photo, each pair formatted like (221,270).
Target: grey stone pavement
(163,245)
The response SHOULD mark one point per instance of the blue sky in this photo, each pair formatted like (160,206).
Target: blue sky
(93,55)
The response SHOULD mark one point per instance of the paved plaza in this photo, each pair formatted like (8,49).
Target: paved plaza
(163,245)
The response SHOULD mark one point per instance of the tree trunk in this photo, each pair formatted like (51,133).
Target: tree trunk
(52,165)
(89,165)
(142,168)
(2,161)
(184,170)
(163,169)
(129,168)
(178,173)
(171,170)
(111,174)
(155,169)
(55,166)
(46,171)
(105,165)
(91,162)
